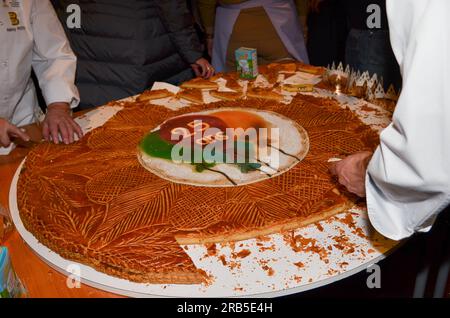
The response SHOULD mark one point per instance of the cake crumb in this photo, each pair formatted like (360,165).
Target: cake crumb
(211,250)
(208,280)
(242,254)
(223,260)
(270,271)
(319,227)
(298,279)
(299,265)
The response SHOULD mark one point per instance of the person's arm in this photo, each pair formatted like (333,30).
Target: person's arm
(178,22)
(408,181)
(53,59)
(54,64)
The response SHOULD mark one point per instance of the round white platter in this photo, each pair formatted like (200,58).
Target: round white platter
(271,268)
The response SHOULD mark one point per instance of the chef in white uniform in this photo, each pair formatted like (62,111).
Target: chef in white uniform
(407,181)
(31,37)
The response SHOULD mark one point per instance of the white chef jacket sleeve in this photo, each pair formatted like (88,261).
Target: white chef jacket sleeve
(408,179)
(53,60)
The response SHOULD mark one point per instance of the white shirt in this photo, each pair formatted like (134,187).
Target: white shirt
(31,36)
(408,181)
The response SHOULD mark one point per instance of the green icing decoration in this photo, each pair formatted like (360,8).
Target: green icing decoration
(248,167)
(153,145)
(200,167)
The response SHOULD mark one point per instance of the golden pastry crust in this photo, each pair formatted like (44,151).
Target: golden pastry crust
(310,69)
(337,205)
(287,68)
(263,93)
(191,95)
(153,95)
(234,84)
(296,88)
(227,96)
(92,202)
(200,83)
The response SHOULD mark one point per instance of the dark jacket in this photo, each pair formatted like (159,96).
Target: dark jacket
(125,46)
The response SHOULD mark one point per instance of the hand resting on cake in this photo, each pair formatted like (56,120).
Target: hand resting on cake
(59,121)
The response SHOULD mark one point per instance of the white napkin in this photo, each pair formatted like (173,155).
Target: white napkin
(161,85)
(301,78)
(96,118)
(207,98)
(169,102)
(262,82)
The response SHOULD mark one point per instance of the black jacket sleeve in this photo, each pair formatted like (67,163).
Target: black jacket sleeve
(179,24)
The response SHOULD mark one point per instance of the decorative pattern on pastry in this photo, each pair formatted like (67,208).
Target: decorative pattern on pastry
(93,203)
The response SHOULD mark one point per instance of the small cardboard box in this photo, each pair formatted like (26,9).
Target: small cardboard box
(10,285)
(247,63)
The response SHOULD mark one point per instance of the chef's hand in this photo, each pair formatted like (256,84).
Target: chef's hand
(59,121)
(351,172)
(9,131)
(203,68)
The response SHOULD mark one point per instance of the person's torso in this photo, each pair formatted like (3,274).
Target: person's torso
(122,47)
(16,52)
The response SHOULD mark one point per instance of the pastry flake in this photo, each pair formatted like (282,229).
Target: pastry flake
(191,95)
(200,83)
(149,95)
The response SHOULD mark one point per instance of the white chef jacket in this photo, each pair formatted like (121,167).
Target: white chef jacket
(31,36)
(408,180)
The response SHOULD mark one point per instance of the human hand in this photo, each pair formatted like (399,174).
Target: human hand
(9,131)
(203,68)
(351,172)
(59,121)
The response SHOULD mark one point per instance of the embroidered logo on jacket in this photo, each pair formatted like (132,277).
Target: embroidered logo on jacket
(14,18)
